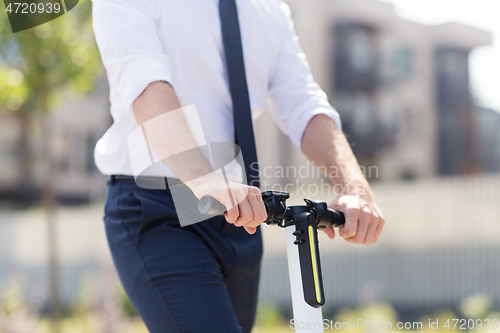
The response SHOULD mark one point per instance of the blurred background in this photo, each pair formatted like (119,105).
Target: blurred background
(416,83)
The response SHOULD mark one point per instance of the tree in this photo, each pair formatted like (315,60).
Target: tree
(40,65)
(37,68)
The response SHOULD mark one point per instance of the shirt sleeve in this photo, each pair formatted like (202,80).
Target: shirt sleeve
(295,97)
(132,54)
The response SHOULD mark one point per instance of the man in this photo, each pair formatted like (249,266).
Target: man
(227,58)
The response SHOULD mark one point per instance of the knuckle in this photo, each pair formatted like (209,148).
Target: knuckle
(255,223)
(246,218)
(262,217)
(366,215)
(348,233)
(254,190)
(354,211)
(240,223)
(231,217)
(241,220)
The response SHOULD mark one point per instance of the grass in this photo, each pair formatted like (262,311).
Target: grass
(102,307)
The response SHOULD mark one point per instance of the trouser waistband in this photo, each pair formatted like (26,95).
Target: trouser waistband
(114,178)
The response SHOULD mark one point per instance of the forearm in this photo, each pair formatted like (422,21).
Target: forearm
(327,147)
(158,111)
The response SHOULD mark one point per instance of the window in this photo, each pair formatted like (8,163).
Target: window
(361,49)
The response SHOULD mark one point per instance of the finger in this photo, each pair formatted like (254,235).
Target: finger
(350,227)
(250,230)
(370,233)
(233,212)
(258,211)
(351,240)
(363,224)
(379,229)
(261,203)
(329,232)
(246,214)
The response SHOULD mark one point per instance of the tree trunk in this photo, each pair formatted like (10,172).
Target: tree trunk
(50,203)
(26,186)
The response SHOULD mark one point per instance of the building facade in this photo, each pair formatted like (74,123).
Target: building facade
(74,128)
(401,88)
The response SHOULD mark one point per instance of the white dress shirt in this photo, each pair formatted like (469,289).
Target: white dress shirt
(179,41)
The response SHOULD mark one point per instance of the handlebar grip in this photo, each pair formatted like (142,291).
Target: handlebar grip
(210,206)
(338,218)
(332,218)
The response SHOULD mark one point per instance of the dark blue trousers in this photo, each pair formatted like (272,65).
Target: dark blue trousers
(201,278)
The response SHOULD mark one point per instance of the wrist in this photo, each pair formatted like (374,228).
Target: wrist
(201,185)
(357,189)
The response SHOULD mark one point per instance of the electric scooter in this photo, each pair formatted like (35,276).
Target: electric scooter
(301,224)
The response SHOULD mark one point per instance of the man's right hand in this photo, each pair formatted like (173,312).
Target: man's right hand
(245,207)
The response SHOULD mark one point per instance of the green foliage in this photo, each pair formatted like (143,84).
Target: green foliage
(12,298)
(441,317)
(126,304)
(96,311)
(372,313)
(39,65)
(476,306)
(88,295)
(268,316)
(15,311)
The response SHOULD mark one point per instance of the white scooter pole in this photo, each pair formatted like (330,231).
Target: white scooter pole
(306,319)
(301,224)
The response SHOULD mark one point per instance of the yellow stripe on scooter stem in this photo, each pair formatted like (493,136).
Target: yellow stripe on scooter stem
(314,266)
